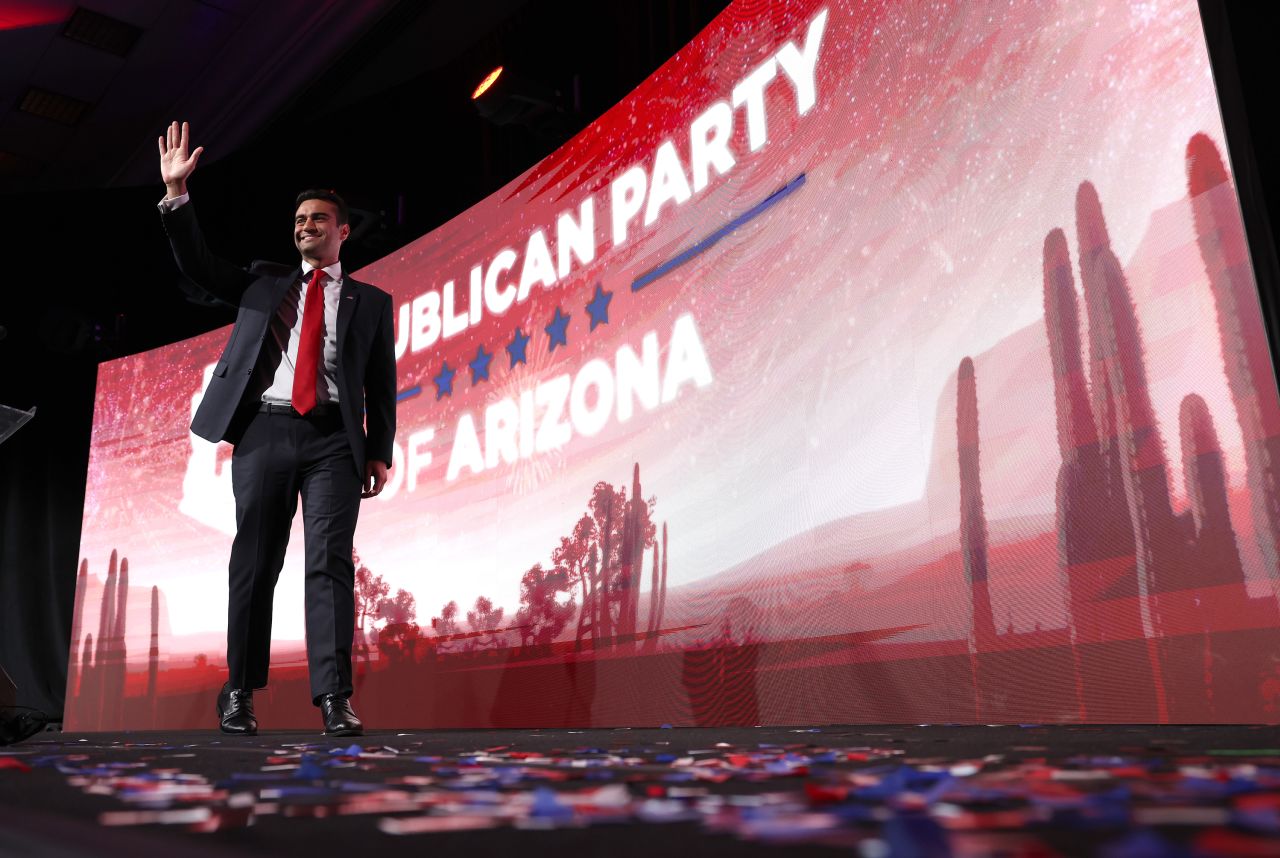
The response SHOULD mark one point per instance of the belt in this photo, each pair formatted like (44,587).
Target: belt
(324,409)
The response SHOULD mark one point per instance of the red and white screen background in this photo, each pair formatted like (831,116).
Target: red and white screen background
(871,362)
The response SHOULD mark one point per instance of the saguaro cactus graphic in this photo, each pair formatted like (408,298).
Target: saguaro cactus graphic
(658,589)
(77,621)
(1245,355)
(618,528)
(119,651)
(654,583)
(87,691)
(605,590)
(153,656)
(662,596)
(973,521)
(1217,556)
(1077,430)
(1095,539)
(1117,355)
(102,652)
(631,558)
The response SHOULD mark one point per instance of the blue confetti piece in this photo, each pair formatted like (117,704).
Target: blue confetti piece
(1203,788)
(916,836)
(1119,794)
(547,806)
(903,779)
(940,787)
(1143,843)
(240,777)
(1265,819)
(853,812)
(361,786)
(1092,817)
(310,769)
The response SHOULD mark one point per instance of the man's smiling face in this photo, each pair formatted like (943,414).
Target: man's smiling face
(317,233)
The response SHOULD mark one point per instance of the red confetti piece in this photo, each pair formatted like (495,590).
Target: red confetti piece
(1225,842)
(819,794)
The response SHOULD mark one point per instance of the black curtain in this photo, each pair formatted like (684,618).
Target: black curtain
(42,481)
(88,277)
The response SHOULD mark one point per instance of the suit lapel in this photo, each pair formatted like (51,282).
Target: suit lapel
(346,308)
(282,284)
(347,302)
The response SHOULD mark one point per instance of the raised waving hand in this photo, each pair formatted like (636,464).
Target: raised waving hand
(176,162)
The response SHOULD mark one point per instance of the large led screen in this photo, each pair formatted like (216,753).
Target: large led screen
(871,362)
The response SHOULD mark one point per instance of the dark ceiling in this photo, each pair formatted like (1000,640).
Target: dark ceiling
(369,96)
(228,65)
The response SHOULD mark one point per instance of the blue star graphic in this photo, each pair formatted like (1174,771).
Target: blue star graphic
(444,381)
(598,309)
(480,365)
(558,330)
(517,346)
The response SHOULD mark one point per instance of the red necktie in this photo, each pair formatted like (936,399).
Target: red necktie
(310,345)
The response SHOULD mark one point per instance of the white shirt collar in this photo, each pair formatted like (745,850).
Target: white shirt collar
(334,271)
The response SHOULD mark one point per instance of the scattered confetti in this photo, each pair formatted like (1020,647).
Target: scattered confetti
(875,793)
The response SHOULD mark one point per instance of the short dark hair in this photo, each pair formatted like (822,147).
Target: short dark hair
(328,196)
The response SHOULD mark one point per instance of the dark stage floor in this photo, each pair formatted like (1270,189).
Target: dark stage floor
(875,791)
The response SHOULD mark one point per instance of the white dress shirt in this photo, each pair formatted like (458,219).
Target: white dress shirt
(285,330)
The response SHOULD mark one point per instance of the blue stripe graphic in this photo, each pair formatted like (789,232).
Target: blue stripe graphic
(706,244)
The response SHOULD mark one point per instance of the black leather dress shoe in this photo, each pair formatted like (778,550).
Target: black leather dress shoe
(235,711)
(339,720)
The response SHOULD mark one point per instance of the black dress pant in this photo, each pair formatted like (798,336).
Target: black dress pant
(279,457)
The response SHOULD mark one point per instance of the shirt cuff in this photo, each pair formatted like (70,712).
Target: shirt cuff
(168,205)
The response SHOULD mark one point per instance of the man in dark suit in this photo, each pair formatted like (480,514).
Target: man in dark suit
(305,390)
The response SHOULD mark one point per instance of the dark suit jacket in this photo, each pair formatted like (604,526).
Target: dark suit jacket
(366,343)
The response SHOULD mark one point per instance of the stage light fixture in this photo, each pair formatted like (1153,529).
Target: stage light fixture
(506,97)
(488,81)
